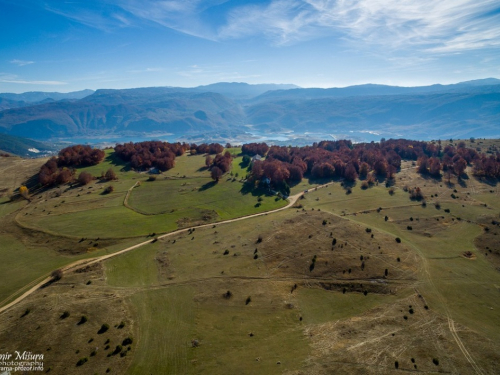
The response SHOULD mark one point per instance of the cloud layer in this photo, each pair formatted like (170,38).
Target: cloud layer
(445,26)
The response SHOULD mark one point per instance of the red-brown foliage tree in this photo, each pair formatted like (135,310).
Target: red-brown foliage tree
(84,178)
(216,173)
(55,171)
(255,149)
(144,155)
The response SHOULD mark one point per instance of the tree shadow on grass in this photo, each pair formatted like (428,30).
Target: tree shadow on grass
(249,188)
(115,161)
(207,186)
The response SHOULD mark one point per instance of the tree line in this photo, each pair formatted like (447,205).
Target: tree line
(343,159)
(57,171)
(145,155)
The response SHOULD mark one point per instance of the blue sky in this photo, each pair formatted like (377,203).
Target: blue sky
(57,45)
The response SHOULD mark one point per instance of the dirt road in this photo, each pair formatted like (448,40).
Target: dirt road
(85,262)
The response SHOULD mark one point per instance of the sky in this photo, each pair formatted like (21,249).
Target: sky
(58,45)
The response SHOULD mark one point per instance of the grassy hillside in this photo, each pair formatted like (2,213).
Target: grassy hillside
(183,196)
(359,282)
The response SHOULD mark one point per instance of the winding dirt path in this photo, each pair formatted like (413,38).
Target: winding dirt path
(85,262)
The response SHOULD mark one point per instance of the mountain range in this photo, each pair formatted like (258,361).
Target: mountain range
(467,109)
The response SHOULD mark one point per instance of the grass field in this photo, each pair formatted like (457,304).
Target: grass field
(343,282)
(183,196)
(21,265)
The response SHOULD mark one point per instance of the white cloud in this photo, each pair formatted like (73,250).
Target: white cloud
(436,26)
(21,62)
(443,26)
(213,74)
(13,78)
(146,70)
(22,82)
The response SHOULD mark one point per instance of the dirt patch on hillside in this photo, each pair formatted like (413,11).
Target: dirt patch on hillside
(401,336)
(318,245)
(203,217)
(50,322)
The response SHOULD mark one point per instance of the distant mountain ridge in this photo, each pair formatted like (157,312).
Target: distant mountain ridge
(465,109)
(376,90)
(38,96)
(128,111)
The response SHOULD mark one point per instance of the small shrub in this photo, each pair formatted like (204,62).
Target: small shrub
(81,361)
(83,320)
(226,252)
(109,189)
(248,300)
(398,240)
(447,210)
(64,315)
(227,295)
(117,350)
(396,364)
(386,218)
(103,329)
(93,353)
(127,341)
(435,361)
(409,227)
(26,312)
(152,178)
(368,230)
(259,239)
(57,275)
(121,325)
(411,311)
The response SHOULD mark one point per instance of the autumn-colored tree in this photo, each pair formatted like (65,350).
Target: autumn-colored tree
(434,167)
(257,169)
(216,174)
(208,161)
(350,173)
(23,191)
(84,178)
(459,167)
(110,175)
(364,168)
(422,165)
(64,176)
